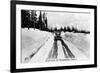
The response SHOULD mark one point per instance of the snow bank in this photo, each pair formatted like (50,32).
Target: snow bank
(31,40)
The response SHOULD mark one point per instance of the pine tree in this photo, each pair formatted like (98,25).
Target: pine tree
(40,21)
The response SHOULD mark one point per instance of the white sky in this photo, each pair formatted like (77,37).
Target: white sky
(79,20)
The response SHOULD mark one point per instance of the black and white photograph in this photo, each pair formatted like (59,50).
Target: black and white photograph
(50,36)
(54,36)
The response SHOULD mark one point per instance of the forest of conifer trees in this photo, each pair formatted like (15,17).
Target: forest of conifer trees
(30,19)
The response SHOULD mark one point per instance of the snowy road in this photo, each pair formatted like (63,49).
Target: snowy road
(61,54)
(71,51)
(43,53)
(52,50)
(78,54)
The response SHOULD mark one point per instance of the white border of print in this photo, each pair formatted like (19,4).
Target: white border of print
(20,65)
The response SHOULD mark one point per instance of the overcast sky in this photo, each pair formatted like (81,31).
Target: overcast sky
(79,20)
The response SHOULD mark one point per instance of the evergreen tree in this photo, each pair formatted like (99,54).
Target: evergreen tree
(40,21)
(64,29)
(68,29)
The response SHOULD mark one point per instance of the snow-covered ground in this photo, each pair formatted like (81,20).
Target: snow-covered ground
(41,43)
(80,40)
(32,40)
(79,55)
(42,54)
(61,54)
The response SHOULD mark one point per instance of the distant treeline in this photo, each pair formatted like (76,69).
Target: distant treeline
(69,29)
